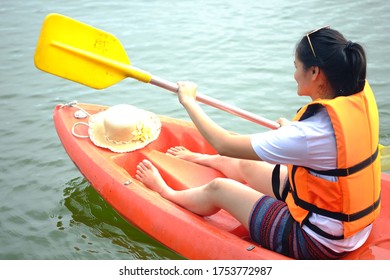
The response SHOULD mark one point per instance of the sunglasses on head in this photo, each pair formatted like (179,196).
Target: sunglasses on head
(312,32)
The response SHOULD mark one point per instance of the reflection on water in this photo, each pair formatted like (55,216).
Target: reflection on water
(123,241)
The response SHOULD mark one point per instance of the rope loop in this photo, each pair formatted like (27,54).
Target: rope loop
(76,134)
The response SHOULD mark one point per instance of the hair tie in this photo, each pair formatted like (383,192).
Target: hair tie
(349,45)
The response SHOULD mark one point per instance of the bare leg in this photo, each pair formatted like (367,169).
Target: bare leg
(227,194)
(257,174)
(228,166)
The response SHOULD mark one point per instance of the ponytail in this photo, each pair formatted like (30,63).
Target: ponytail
(356,60)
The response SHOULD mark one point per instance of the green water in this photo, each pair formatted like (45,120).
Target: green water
(238,52)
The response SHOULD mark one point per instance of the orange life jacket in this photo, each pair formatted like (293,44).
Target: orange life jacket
(355,198)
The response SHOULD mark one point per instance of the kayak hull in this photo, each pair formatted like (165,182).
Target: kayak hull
(219,236)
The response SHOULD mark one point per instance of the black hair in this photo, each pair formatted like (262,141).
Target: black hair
(343,62)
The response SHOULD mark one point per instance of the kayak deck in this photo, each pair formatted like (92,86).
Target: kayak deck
(219,236)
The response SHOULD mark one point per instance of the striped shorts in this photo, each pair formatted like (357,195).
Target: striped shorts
(272,226)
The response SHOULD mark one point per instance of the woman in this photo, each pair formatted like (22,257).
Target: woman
(314,183)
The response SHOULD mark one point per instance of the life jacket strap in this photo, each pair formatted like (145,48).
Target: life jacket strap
(343,172)
(321,232)
(336,215)
(276,184)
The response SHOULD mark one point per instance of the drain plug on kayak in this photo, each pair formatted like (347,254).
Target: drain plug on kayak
(250,248)
(128,182)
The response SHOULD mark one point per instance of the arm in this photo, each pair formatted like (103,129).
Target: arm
(224,142)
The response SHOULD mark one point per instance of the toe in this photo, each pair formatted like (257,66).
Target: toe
(147,164)
(140,166)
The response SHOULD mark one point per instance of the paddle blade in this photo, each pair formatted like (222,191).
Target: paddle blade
(79,52)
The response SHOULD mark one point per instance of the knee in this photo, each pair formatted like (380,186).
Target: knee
(216,185)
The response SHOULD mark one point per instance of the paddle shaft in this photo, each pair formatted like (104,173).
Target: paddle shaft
(146,77)
(173,87)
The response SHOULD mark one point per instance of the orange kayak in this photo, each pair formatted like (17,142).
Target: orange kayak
(219,236)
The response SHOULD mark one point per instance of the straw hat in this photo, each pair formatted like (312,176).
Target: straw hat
(123,128)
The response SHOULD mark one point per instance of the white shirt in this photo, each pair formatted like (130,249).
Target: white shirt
(310,143)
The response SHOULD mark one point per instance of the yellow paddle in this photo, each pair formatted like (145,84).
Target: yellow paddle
(79,52)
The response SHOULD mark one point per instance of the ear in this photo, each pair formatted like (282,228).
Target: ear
(315,72)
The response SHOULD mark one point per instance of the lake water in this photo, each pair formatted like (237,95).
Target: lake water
(240,52)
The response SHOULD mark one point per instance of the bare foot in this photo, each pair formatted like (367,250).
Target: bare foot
(148,174)
(183,153)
